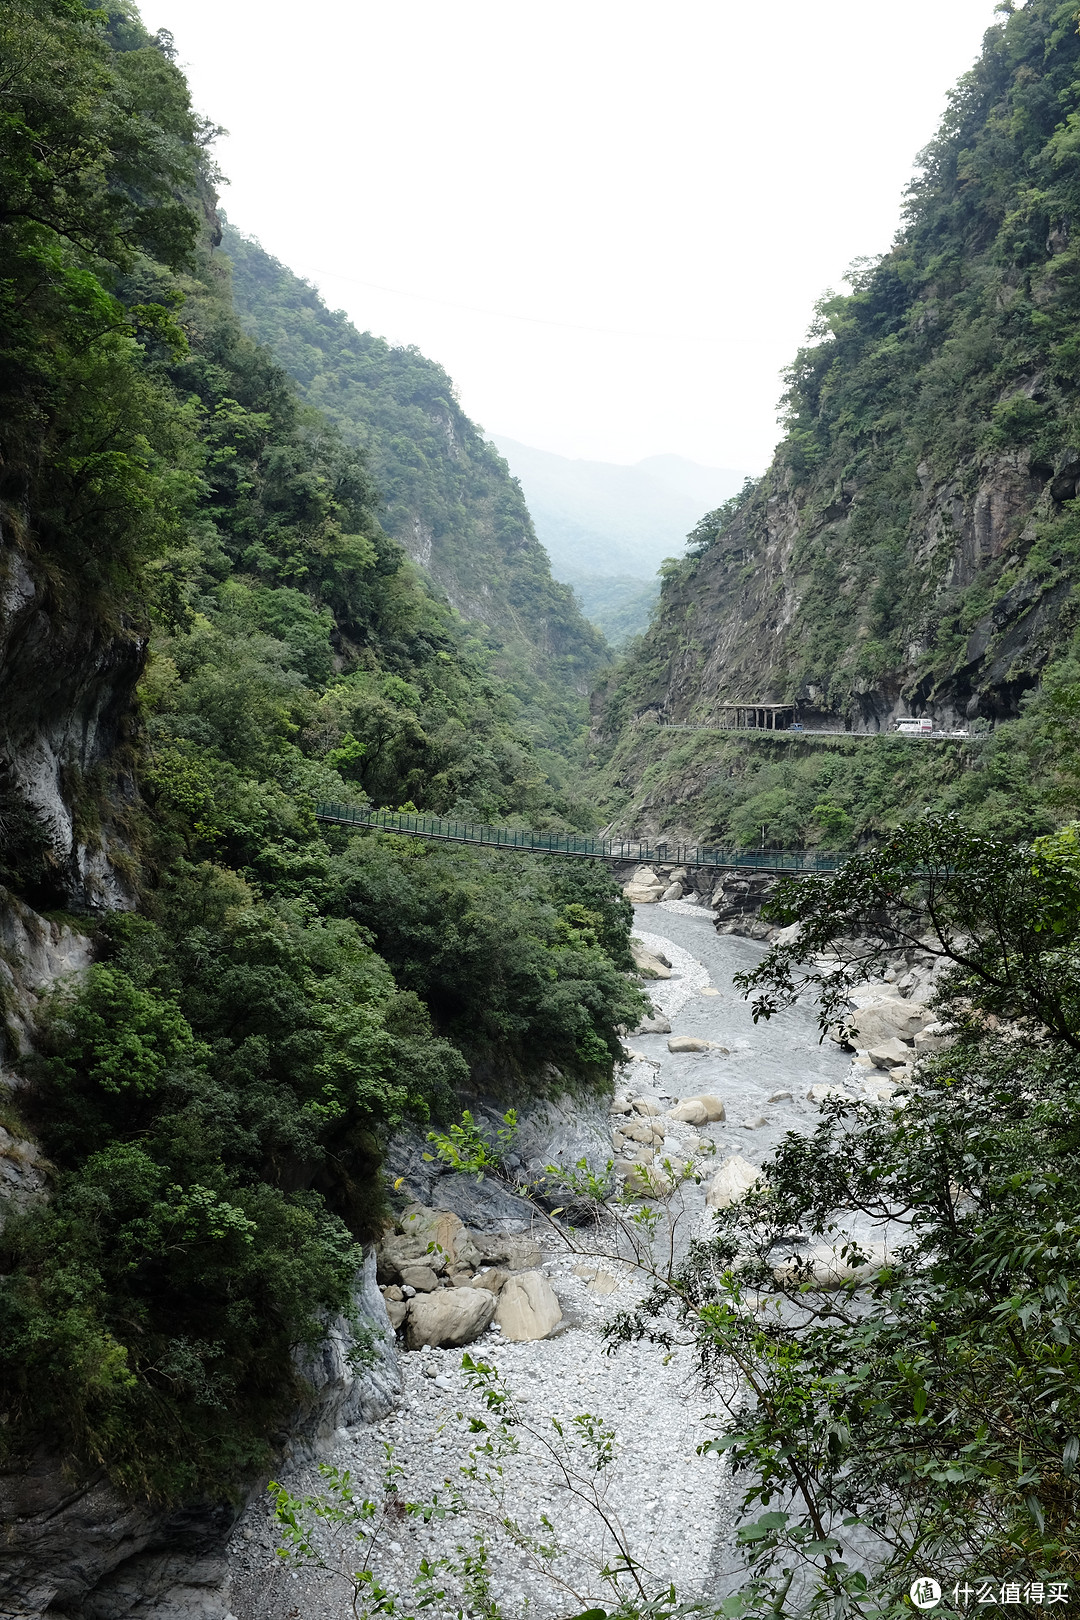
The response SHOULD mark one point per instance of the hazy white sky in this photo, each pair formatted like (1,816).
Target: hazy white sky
(609,220)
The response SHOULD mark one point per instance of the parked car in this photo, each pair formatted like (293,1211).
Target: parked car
(796,726)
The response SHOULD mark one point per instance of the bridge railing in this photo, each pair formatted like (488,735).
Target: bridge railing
(540,843)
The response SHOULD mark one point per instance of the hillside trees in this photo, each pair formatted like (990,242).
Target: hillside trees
(447,494)
(912,548)
(214,1097)
(917,1411)
(99,163)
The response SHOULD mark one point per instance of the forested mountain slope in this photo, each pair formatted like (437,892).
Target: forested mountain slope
(913,548)
(204,630)
(446,493)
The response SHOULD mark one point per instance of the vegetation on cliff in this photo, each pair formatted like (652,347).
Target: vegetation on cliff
(214,1095)
(913,547)
(447,495)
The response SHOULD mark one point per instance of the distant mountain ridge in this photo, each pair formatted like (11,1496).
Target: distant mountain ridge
(607,527)
(599,517)
(448,497)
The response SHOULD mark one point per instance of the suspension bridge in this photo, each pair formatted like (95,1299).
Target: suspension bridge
(604,849)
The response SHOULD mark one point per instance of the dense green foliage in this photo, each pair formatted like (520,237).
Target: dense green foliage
(937,1403)
(618,604)
(530,985)
(215,1095)
(839,792)
(448,496)
(99,160)
(914,544)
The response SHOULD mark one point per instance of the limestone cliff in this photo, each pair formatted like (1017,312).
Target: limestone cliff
(913,547)
(67,681)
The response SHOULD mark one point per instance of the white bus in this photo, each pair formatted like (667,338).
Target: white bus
(915,728)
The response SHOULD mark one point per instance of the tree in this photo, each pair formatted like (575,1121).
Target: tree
(1005,919)
(912,1379)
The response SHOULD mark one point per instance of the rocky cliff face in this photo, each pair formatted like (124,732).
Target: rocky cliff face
(93,1553)
(67,683)
(740,624)
(913,548)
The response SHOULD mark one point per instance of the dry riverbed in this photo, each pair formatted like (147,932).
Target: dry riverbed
(674,1507)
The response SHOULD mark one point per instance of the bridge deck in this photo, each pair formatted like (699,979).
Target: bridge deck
(606,849)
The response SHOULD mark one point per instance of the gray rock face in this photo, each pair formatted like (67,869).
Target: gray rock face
(35,955)
(22,1174)
(737,900)
(67,682)
(62,1545)
(90,1552)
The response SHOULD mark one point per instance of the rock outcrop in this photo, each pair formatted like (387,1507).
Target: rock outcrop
(67,678)
(86,1550)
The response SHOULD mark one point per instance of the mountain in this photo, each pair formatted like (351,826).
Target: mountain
(214,1013)
(446,494)
(913,547)
(607,528)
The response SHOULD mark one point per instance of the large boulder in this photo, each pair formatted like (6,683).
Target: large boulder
(439,1227)
(703,1110)
(449,1316)
(398,1250)
(528,1307)
(429,1237)
(889,1054)
(691,1111)
(732,1182)
(492,1279)
(656,1025)
(688,1043)
(633,1178)
(419,1277)
(645,1106)
(644,887)
(649,963)
(889,1019)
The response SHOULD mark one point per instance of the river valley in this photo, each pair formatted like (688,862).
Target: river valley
(674,1506)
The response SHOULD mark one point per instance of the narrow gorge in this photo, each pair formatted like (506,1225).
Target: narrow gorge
(398,1223)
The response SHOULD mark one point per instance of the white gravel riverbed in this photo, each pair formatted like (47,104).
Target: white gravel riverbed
(674,1507)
